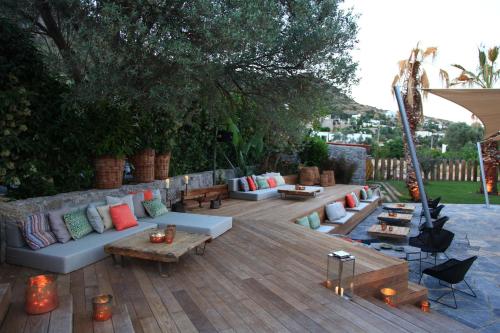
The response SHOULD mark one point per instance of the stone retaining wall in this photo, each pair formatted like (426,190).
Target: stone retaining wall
(353,154)
(13,211)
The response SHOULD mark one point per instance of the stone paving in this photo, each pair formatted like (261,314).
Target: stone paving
(477,232)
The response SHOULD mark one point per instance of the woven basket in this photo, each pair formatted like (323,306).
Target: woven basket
(144,166)
(308,176)
(162,163)
(108,172)
(327,178)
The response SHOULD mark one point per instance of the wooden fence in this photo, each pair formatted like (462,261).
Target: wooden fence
(449,170)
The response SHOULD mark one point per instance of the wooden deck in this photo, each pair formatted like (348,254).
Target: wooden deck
(261,276)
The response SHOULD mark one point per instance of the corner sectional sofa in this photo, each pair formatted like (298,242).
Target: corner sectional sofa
(261,194)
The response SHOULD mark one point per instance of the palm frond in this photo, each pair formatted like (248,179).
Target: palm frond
(482,58)
(493,54)
(430,51)
(424,81)
(458,66)
(403,65)
(445,77)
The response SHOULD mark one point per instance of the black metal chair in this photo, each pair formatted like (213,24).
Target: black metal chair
(433,203)
(452,272)
(437,224)
(434,241)
(433,212)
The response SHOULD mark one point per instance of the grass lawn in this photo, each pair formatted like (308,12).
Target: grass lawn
(450,192)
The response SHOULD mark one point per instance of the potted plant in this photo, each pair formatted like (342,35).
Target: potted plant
(163,140)
(143,160)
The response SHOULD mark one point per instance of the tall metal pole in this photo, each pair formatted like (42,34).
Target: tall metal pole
(413,154)
(483,177)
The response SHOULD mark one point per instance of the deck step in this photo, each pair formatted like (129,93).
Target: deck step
(5,296)
(439,321)
(413,295)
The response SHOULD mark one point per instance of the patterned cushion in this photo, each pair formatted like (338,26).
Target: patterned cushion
(155,207)
(95,219)
(243,184)
(262,182)
(272,182)
(303,221)
(280,180)
(138,198)
(77,223)
(363,193)
(106,217)
(57,225)
(254,177)
(314,221)
(251,183)
(356,199)
(36,232)
(126,200)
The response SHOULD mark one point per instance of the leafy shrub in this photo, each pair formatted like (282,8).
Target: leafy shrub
(344,170)
(315,152)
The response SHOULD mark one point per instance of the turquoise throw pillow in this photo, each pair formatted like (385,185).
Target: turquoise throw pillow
(303,221)
(314,221)
(262,182)
(155,207)
(364,195)
(77,223)
(369,193)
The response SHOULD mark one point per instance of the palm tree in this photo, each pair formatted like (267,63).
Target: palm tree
(487,76)
(413,78)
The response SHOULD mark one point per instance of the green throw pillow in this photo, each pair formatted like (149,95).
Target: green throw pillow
(262,181)
(369,193)
(155,207)
(363,193)
(77,223)
(303,221)
(314,221)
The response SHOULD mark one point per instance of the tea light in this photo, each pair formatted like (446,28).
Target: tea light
(167,183)
(425,306)
(41,294)
(393,214)
(388,294)
(157,237)
(101,305)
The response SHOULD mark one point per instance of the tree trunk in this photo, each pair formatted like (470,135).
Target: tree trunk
(413,112)
(489,151)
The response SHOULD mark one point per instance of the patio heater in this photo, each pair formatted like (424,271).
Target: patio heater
(413,154)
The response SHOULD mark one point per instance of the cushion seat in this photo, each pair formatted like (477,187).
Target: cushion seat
(324,229)
(360,207)
(343,219)
(372,199)
(201,224)
(73,255)
(264,193)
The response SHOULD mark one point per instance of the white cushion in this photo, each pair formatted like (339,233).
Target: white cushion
(324,229)
(359,207)
(335,211)
(342,220)
(372,199)
(128,199)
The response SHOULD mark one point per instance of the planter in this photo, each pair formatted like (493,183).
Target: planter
(162,163)
(327,178)
(109,172)
(309,176)
(144,166)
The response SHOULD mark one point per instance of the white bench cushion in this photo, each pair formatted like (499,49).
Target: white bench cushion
(342,220)
(324,229)
(372,199)
(360,207)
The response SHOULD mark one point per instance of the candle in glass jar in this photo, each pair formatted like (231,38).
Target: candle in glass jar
(157,237)
(41,294)
(186,179)
(102,307)
(167,183)
(425,306)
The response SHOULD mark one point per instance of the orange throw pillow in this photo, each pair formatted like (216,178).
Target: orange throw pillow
(122,217)
(148,195)
(272,182)
(251,184)
(349,201)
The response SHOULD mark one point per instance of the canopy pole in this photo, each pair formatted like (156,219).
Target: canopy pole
(413,154)
(483,177)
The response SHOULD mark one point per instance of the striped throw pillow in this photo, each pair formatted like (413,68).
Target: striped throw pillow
(36,232)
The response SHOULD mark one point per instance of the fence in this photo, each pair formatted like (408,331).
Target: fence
(449,170)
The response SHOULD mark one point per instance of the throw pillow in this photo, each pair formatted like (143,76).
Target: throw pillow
(314,221)
(272,182)
(254,177)
(57,225)
(77,223)
(369,193)
(243,184)
(251,184)
(280,180)
(335,211)
(349,201)
(122,217)
(36,232)
(106,218)
(123,200)
(363,193)
(356,199)
(366,187)
(155,207)
(148,195)
(303,221)
(95,219)
(138,198)
(156,194)
(262,182)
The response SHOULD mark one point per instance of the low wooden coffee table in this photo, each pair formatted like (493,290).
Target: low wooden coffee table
(396,232)
(139,246)
(399,218)
(306,193)
(406,208)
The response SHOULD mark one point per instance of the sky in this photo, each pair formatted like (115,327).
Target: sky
(389,29)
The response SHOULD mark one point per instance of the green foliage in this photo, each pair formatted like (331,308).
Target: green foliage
(314,152)
(391,149)
(344,170)
(245,149)
(458,135)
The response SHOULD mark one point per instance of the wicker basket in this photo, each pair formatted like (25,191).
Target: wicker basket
(108,172)
(327,178)
(162,163)
(144,166)
(309,176)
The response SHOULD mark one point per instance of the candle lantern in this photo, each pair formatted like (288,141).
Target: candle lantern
(41,294)
(186,182)
(101,306)
(425,306)
(157,237)
(388,295)
(167,183)
(170,233)
(340,269)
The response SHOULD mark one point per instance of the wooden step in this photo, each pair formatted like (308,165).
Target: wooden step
(413,295)
(441,323)
(5,296)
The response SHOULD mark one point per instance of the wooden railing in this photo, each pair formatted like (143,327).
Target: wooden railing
(449,170)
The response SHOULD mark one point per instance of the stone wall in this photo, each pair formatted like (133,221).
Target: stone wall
(353,154)
(13,211)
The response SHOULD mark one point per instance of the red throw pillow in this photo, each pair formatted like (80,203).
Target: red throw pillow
(251,184)
(122,217)
(349,201)
(366,187)
(148,195)
(272,182)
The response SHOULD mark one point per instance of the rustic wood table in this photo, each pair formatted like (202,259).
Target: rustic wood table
(400,207)
(139,246)
(389,232)
(307,193)
(399,218)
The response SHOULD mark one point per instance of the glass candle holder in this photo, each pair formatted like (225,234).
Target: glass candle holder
(41,294)
(388,294)
(425,306)
(170,233)
(157,237)
(101,306)
(393,214)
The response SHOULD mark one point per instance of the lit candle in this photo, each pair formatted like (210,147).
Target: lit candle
(186,179)
(388,294)
(167,183)
(157,237)
(336,290)
(102,307)
(341,291)
(425,306)
(41,294)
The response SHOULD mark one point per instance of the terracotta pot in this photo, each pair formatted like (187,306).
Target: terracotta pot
(144,166)
(108,172)
(162,163)
(309,176)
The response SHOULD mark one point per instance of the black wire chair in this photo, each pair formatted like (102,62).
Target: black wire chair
(434,241)
(433,212)
(436,224)
(433,203)
(452,272)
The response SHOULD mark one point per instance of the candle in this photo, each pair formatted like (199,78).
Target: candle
(341,291)
(102,307)
(167,183)
(336,289)
(328,283)
(157,237)
(388,294)
(186,179)
(41,294)
(425,306)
